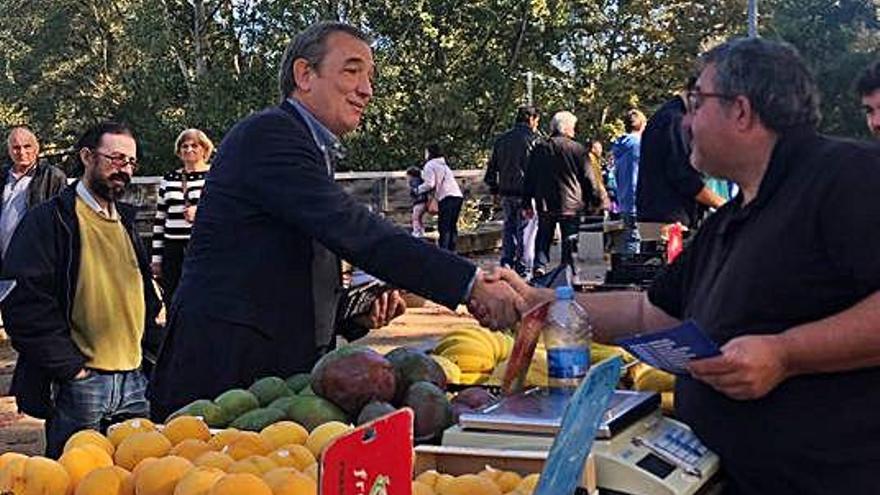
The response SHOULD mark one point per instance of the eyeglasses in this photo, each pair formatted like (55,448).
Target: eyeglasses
(119,161)
(695,98)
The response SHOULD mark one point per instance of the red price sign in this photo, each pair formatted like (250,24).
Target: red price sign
(374,459)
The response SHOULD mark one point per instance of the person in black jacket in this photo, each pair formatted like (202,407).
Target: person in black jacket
(504,176)
(261,279)
(27,181)
(669,189)
(561,182)
(84,300)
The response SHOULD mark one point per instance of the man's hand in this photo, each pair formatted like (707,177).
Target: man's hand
(156,268)
(528,213)
(494,303)
(386,307)
(532,296)
(749,367)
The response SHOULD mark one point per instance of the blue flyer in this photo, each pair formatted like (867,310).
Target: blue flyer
(671,349)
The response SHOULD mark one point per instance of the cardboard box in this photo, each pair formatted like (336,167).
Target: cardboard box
(466,460)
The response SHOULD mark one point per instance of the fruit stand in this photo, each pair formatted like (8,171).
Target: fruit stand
(269,437)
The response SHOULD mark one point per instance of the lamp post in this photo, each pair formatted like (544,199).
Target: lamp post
(753,18)
(529,85)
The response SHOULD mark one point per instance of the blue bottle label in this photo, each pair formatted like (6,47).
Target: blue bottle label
(567,362)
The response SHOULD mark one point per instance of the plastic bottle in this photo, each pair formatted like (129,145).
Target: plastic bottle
(567,335)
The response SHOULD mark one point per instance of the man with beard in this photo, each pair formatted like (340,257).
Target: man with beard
(868,89)
(83,299)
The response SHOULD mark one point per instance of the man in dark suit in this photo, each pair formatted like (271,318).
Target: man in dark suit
(261,279)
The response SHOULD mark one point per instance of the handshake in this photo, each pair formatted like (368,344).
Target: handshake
(500,297)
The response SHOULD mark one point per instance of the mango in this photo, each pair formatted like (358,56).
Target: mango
(433,412)
(257,419)
(233,403)
(268,389)
(296,383)
(351,376)
(311,411)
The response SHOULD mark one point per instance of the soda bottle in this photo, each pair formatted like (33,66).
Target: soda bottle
(567,335)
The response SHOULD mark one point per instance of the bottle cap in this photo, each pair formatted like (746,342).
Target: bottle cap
(565,292)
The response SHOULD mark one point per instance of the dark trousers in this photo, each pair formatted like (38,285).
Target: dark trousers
(512,243)
(172,266)
(568,224)
(447,221)
(94,402)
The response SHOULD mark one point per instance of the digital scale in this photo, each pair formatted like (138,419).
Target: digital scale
(638,451)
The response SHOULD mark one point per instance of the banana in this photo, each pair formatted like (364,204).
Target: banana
(452,371)
(462,339)
(473,378)
(508,344)
(497,346)
(652,379)
(601,352)
(476,332)
(469,358)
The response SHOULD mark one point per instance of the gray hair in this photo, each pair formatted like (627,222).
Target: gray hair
(772,75)
(311,45)
(562,120)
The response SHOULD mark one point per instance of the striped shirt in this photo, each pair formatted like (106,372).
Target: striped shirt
(170,223)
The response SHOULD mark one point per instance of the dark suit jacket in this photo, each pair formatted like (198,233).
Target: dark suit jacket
(261,268)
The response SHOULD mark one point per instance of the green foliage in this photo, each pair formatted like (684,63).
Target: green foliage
(451,71)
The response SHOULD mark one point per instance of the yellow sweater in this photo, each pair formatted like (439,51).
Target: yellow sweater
(108,307)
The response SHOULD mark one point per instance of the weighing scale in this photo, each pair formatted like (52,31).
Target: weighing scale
(638,451)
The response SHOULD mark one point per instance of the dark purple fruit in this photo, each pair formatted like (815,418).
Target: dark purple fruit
(352,376)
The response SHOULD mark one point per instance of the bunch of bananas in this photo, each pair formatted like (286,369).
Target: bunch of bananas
(475,351)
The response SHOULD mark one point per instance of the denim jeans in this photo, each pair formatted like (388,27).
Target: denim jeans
(94,402)
(627,240)
(512,242)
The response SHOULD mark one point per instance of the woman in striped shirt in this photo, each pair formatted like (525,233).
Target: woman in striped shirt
(176,208)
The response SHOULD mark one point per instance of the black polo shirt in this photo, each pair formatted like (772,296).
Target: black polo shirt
(807,247)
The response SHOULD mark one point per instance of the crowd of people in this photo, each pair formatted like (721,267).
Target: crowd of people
(784,276)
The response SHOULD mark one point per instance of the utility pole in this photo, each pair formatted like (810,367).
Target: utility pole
(753,18)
